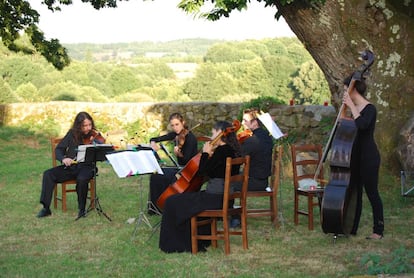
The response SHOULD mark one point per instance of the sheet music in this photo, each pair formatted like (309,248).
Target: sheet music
(82,150)
(271,126)
(129,163)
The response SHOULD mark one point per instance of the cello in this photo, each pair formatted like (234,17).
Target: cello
(187,180)
(339,198)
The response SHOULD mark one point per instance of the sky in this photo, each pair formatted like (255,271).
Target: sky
(157,21)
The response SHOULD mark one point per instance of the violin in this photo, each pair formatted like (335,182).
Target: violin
(180,138)
(244,135)
(94,136)
(187,180)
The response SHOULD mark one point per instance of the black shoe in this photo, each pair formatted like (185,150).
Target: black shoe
(81,214)
(44,212)
(235,223)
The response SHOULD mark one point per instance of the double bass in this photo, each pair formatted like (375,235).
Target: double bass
(339,197)
(187,180)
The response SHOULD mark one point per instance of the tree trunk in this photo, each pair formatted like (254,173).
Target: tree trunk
(336,32)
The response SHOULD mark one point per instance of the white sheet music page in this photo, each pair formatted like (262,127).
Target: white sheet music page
(129,163)
(271,126)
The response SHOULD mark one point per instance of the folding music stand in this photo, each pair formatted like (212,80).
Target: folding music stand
(92,155)
(135,163)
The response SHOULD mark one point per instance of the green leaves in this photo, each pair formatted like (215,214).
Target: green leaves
(17,16)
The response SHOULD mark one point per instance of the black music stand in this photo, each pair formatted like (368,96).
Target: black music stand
(92,155)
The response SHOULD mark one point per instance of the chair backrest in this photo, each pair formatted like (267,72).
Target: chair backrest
(242,176)
(53,143)
(305,161)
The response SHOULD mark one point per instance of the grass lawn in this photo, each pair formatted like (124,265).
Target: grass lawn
(58,246)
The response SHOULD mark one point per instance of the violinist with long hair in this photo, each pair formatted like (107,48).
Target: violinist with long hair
(185,148)
(82,132)
(175,233)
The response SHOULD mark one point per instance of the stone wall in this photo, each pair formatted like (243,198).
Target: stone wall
(301,123)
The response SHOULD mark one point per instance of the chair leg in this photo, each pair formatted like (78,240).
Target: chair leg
(214,232)
(295,212)
(244,232)
(310,212)
(226,235)
(273,208)
(55,193)
(64,197)
(194,244)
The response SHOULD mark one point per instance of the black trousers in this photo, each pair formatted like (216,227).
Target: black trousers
(367,179)
(82,172)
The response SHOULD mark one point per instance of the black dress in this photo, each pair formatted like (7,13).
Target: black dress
(175,233)
(365,165)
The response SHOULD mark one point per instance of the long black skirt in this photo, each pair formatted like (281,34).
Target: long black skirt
(158,184)
(175,234)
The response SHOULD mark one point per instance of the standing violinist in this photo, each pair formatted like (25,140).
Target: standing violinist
(185,148)
(175,233)
(82,132)
(365,160)
(258,144)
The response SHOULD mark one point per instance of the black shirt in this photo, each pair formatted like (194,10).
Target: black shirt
(189,148)
(259,146)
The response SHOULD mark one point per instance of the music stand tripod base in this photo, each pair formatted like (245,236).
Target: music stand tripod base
(98,209)
(142,218)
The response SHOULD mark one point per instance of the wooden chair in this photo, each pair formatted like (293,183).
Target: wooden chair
(272,210)
(305,161)
(211,217)
(67,186)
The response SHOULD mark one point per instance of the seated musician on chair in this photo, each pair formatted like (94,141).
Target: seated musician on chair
(175,233)
(185,148)
(82,132)
(259,146)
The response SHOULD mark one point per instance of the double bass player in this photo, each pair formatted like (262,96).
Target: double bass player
(365,161)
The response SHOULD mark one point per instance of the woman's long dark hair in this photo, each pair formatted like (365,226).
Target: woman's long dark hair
(231,138)
(77,125)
